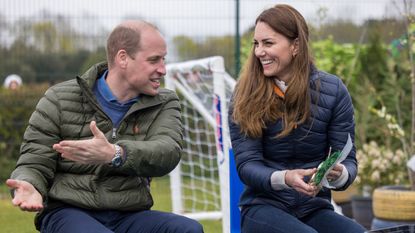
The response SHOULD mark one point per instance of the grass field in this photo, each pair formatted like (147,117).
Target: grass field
(12,220)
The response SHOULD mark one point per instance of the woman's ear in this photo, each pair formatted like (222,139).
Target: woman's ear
(295,47)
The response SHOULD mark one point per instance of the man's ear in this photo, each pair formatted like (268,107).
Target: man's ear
(121,58)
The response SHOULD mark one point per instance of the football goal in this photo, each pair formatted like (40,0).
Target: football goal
(205,184)
(200,183)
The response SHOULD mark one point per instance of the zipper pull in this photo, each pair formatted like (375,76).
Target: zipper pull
(114,133)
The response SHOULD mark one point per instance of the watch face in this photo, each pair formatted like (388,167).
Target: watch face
(116,161)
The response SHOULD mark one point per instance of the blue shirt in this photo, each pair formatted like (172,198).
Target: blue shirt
(109,103)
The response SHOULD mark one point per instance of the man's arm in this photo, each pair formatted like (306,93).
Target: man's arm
(157,155)
(37,163)
(160,152)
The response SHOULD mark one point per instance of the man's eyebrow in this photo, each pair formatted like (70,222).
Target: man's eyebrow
(154,57)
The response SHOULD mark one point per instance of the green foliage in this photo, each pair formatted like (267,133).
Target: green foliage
(246,46)
(35,66)
(335,58)
(374,79)
(93,58)
(16,108)
(188,48)
(346,31)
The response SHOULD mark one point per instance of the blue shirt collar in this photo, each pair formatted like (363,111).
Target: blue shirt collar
(105,91)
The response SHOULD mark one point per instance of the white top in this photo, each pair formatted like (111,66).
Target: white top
(281,85)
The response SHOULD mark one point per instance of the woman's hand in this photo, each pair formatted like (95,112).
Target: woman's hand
(335,172)
(295,179)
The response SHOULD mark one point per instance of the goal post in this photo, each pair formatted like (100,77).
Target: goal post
(205,184)
(200,184)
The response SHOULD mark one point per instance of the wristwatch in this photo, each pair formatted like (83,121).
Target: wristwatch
(117,160)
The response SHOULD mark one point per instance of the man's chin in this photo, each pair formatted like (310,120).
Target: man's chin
(152,93)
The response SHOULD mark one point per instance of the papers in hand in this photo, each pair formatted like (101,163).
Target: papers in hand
(320,177)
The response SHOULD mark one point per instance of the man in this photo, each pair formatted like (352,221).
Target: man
(92,143)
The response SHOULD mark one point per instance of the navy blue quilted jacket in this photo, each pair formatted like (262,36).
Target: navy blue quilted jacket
(305,147)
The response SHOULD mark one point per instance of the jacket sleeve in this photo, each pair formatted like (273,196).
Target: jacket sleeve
(160,152)
(341,125)
(249,161)
(37,161)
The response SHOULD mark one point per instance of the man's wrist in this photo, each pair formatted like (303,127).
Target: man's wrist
(117,159)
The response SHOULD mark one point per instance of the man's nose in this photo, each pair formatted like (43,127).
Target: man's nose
(162,69)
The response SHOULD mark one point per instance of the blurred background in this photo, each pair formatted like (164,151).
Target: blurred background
(369,44)
(58,39)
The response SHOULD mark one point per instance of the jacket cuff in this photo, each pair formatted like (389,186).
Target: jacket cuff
(342,178)
(278,180)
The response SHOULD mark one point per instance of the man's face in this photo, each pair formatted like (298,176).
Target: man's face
(146,69)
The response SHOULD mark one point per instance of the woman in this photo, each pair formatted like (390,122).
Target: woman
(285,118)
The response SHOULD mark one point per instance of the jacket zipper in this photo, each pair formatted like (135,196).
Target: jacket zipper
(114,133)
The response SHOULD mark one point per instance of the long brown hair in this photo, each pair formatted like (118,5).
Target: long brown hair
(255,103)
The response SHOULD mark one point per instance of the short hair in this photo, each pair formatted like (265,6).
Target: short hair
(126,36)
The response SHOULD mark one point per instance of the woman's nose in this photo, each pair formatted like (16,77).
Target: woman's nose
(259,51)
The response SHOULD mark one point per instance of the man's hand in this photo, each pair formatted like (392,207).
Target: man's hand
(295,179)
(91,151)
(26,197)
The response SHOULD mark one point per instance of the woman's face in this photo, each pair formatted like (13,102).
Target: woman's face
(274,51)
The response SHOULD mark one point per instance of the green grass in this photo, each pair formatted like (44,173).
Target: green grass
(12,220)
(162,201)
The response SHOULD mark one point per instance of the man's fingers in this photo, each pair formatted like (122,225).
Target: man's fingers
(95,131)
(30,208)
(16,201)
(13,184)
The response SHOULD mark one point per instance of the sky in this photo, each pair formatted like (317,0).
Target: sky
(189,17)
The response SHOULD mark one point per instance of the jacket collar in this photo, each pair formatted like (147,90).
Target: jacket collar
(88,79)
(313,73)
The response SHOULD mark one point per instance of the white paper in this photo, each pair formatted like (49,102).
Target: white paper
(343,155)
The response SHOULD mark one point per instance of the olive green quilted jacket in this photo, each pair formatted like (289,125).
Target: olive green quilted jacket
(150,133)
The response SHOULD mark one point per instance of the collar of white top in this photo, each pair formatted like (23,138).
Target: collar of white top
(281,85)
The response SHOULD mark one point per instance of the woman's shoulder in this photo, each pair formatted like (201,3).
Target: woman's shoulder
(323,76)
(326,82)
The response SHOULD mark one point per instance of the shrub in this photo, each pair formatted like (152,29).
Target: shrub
(379,166)
(16,108)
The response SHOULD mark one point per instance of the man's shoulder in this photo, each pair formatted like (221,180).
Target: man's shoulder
(69,86)
(67,83)
(167,94)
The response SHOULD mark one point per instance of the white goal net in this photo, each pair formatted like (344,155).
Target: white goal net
(200,183)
